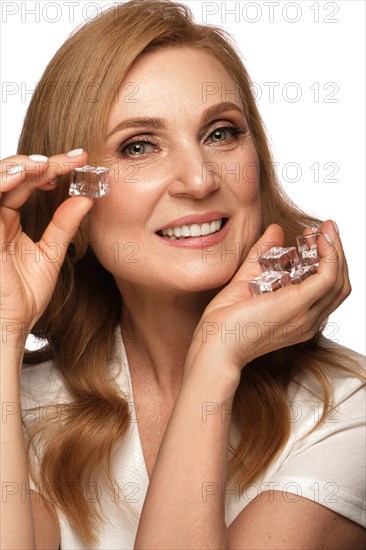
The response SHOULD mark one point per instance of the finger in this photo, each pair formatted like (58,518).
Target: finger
(273,236)
(327,289)
(324,313)
(335,245)
(24,182)
(335,255)
(318,294)
(330,249)
(332,254)
(19,168)
(37,166)
(64,224)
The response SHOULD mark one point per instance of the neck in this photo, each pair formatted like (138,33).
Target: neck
(157,330)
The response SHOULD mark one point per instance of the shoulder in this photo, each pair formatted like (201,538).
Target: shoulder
(348,356)
(313,494)
(343,420)
(342,373)
(322,461)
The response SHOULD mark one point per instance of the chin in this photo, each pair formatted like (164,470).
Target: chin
(195,282)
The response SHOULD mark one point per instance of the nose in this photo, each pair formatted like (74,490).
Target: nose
(193,174)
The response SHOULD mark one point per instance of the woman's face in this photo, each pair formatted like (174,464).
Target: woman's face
(182,162)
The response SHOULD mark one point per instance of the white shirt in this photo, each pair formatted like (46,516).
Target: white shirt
(327,467)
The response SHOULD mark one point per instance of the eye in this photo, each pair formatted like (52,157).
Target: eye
(224,133)
(137,148)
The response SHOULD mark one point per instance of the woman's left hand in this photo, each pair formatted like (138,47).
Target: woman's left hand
(236,327)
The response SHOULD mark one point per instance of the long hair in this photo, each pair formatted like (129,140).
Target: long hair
(62,117)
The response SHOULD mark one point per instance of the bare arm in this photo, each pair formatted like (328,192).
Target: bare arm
(192,458)
(273,521)
(184,504)
(176,513)
(26,288)
(26,522)
(16,508)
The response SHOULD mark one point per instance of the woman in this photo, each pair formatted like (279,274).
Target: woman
(170,408)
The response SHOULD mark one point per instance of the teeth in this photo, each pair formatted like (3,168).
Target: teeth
(194,230)
(186,231)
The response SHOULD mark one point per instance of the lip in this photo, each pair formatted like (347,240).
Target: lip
(198,242)
(195,218)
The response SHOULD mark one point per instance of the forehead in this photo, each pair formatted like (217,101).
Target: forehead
(174,80)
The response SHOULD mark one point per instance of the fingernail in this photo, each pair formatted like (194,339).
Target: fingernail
(15,169)
(74,153)
(53,182)
(328,237)
(336,227)
(38,158)
(314,229)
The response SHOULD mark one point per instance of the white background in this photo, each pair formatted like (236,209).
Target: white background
(310,55)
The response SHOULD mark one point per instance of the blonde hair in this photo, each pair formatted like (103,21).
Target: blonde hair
(57,121)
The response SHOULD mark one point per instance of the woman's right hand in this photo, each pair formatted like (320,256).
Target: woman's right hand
(29,270)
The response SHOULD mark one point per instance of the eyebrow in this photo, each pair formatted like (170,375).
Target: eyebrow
(159,123)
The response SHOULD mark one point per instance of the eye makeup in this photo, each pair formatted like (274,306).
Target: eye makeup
(137,141)
(237,132)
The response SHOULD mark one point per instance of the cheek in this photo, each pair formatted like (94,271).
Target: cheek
(243,178)
(117,224)
(110,227)
(123,210)
(245,188)
(112,237)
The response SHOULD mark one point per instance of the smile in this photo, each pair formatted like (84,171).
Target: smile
(193,230)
